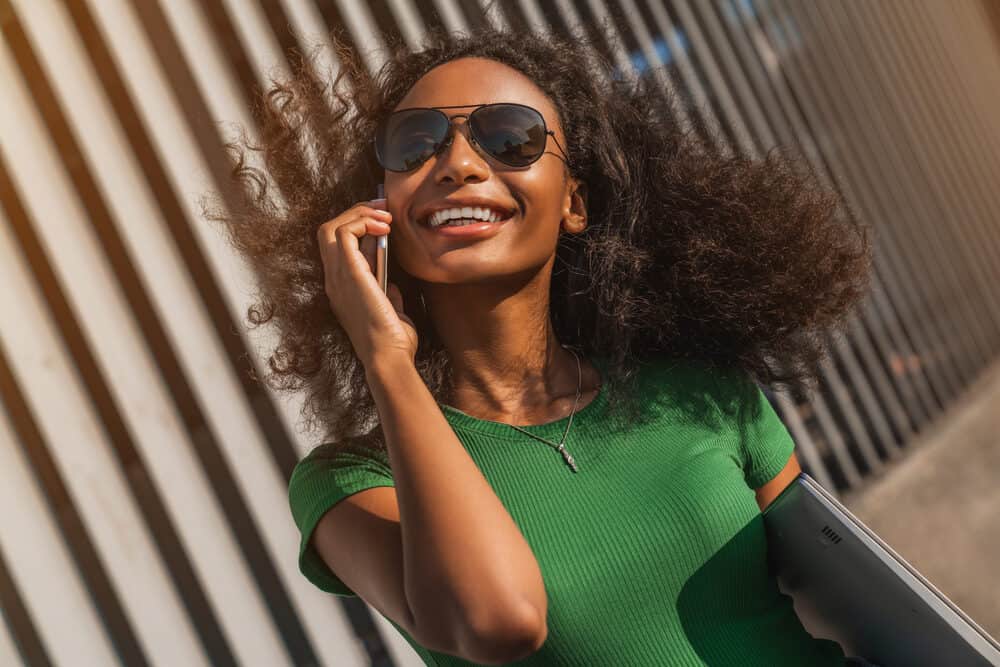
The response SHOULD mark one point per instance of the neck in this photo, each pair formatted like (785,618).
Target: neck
(507,364)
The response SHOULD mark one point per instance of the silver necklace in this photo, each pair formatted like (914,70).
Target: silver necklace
(561,447)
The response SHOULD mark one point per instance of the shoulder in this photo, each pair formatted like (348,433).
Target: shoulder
(733,405)
(727,391)
(337,469)
(328,474)
(363,450)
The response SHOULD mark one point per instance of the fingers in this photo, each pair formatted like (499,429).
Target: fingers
(348,234)
(375,207)
(361,211)
(357,222)
(368,249)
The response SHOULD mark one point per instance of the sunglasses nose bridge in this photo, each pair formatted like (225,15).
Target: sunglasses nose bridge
(452,128)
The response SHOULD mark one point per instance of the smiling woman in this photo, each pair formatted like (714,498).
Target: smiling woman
(568,264)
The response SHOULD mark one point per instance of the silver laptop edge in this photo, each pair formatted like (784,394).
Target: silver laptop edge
(852,521)
(796,534)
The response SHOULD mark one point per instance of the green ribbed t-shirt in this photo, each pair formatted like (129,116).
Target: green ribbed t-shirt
(654,553)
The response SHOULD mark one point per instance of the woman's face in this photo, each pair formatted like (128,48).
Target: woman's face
(538,196)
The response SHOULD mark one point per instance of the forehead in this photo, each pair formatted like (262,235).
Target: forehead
(477,81)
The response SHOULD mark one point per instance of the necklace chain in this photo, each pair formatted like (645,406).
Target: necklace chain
(561,447)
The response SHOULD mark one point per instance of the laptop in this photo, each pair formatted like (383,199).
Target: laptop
(850,586)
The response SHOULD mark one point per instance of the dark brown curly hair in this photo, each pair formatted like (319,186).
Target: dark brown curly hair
(743,265)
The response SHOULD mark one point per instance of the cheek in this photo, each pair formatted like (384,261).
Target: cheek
(542,191)
(399,189)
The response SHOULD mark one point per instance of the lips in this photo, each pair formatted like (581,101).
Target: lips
(475,230)
(449,209)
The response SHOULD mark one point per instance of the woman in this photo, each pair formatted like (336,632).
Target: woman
(546,443)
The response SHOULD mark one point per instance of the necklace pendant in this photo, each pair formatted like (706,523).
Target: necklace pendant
(568,458)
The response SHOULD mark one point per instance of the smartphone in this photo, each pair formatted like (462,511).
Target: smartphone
(382,251)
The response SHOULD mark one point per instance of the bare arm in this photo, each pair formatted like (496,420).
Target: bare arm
(765,494)
(467,569)
(438,554)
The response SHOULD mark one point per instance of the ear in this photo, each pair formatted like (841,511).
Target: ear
(574,214)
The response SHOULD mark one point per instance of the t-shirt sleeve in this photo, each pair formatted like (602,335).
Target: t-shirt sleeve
(766,443)
(761,444)
(327,475)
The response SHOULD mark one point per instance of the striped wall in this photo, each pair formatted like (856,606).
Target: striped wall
(142,468)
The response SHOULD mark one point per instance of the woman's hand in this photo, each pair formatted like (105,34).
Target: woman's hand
(375,324)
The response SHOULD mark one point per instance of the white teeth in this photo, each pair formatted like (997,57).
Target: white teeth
(466,214)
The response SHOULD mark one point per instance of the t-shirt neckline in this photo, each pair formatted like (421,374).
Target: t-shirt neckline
(551,430)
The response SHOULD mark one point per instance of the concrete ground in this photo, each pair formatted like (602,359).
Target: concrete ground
(939,505)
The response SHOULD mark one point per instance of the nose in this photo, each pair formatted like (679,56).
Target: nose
(459,161)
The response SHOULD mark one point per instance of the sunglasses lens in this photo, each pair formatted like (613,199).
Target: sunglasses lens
(406,139)
(511,133)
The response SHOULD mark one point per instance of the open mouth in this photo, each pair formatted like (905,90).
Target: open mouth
(466,215)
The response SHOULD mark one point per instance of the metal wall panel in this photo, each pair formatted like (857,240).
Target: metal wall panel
(40,563)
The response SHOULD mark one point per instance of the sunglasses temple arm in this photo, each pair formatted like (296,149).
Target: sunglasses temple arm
(553,135)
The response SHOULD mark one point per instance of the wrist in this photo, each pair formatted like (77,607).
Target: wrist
(387,366)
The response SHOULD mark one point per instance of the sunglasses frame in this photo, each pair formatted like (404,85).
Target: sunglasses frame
(475,142)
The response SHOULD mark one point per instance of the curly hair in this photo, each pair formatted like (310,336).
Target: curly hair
(742,264)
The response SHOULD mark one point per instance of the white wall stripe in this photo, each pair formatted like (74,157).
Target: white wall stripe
(8,650)
(259,42)
(365,32)
(536,19)
(311,31)
(201,50)
(410,23)
(30,540)
(451,16)
(216,81)
(699,44)
(494,15)
(645,40)
(612,38)
(682,60)
(136,383)
(77,439)
(571,18)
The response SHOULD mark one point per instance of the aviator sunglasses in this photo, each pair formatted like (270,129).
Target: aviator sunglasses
(513,134)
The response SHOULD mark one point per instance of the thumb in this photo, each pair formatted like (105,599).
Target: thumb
(367,245)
